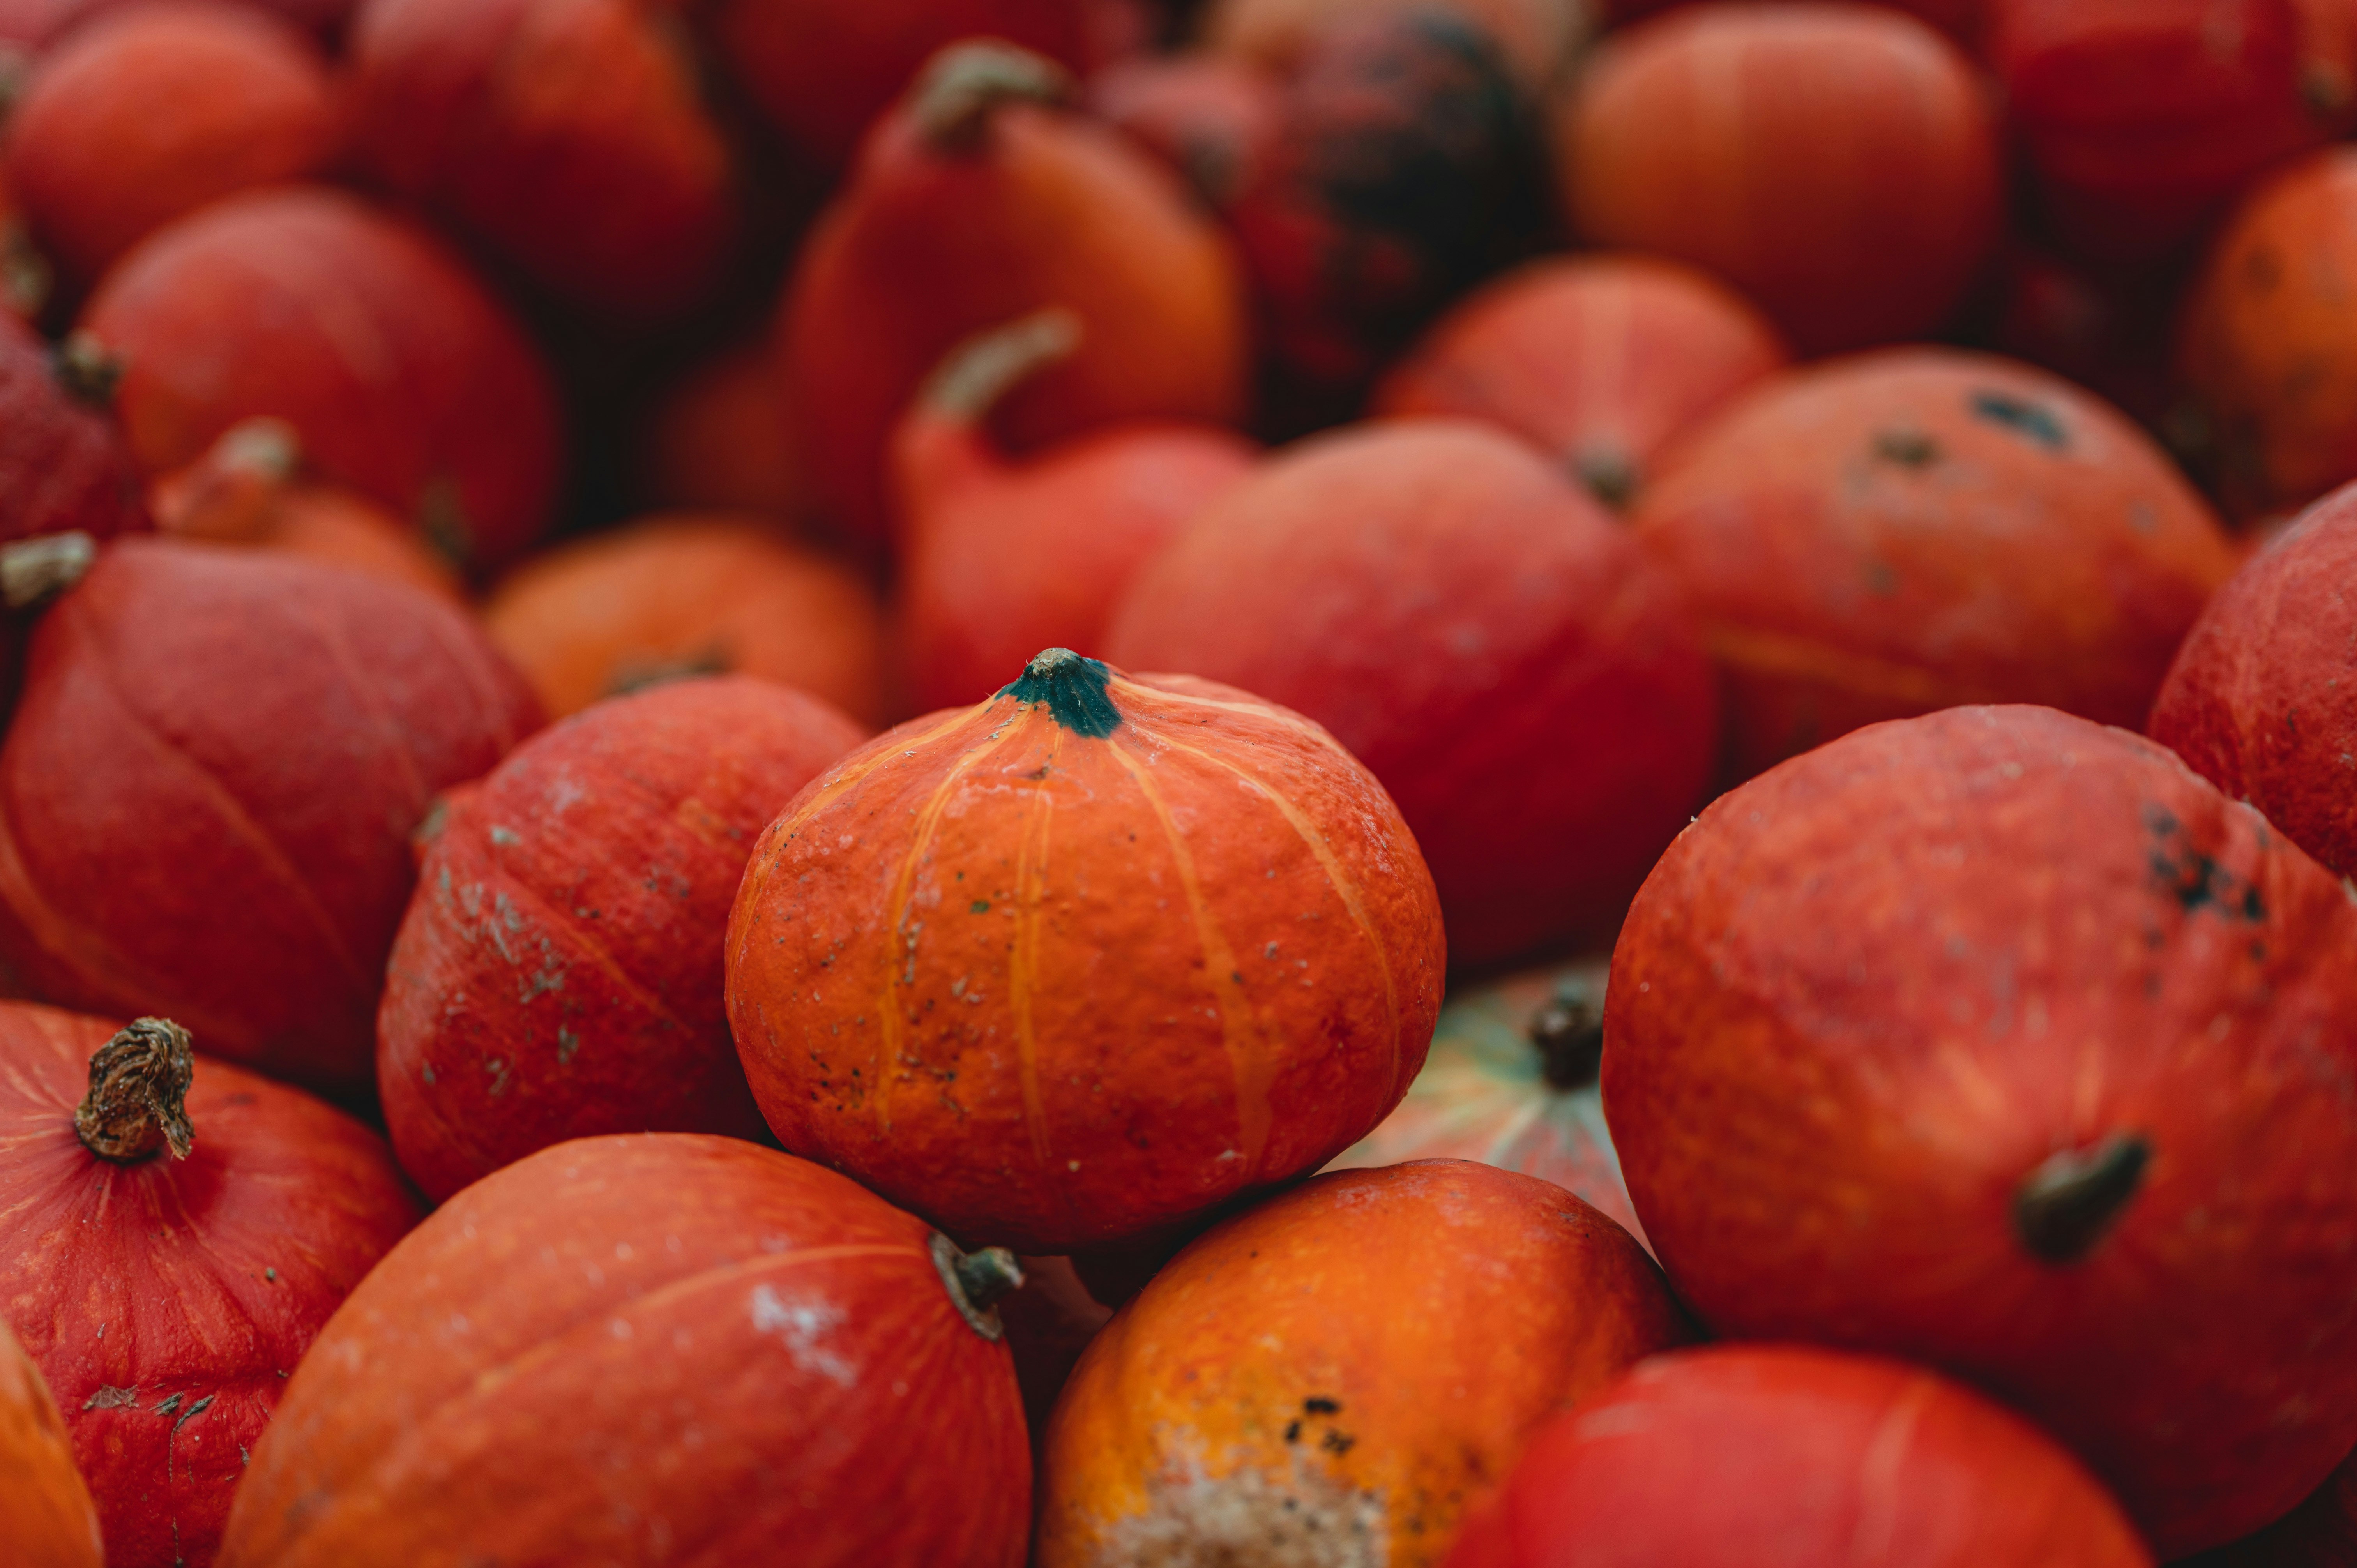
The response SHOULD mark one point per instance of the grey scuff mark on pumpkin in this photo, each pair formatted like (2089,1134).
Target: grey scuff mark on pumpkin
(2033,421)
(111,1399)
(802,1325)
(567,1043)
(1302,1516)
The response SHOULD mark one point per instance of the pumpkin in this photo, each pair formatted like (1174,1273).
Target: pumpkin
(1511,1082)
(147,115)
(1085,960)
(405,378)
(824,72)
(1917,528)
(1838,164)
(2319,1533)
(2269,336)
(1780,1456)
(1474,628)
(1598,361)
(177,1231)
(690,594)
(1006,556)
(45,1510)
(1210,117)
(27,279)
(569,135)
(35,25)
(249,489)
(2262,698)
(1537,37)
(558,973)
(64,465)
(207,792)
(977,202)
(2000,1041)
(656,1349)
(1049,1323)
(1337,1375)
(711,443)
(2141,118)
(1960,19)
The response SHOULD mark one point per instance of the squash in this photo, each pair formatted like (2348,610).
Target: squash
(1211,118)
(1538,37)
(718,439)
(65,466)
(45,1510)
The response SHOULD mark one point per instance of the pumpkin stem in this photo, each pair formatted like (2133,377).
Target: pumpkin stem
(965,85)
(35,570)
(977,1282)
(2074,1197)
(268,448)
(27,279)
(1072,687)
(1569,1032)
(982,368)
(1605,468)
(138,1091)
(89,369)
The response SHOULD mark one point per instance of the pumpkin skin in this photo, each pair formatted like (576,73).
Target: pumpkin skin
(38,24)
(280,726)
(1257,1402)
(1598,361)
(166,1299)
(2263,699)
(1538,37)
(1212,118)
(1006,556)
(404,377)
(658,1349)
(1530,689)
(2319,1533)
(690,594)
(1777,1457)
(1849,154)
(2075,1134)
(1960,19)
(558,975)
(973,204)
(1914,528)
(45,1510)
(712,445)
(569,135)
(64,465)
(95,166)
(1086,961)
(1511,1081)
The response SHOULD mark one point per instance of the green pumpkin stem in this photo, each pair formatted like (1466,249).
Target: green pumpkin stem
(2074,1197)
(35,570)
(1570,1033)
(89,371)
(984,368)
(966,85)
(138,1093)
(977,1282)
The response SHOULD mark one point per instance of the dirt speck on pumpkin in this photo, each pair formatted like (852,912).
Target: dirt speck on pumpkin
(1256,1516)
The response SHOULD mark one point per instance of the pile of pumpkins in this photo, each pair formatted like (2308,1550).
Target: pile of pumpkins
(1253,784)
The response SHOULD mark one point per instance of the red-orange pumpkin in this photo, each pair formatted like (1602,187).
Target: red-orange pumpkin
(2319,1533)
(1598,361)
(405,377)
(1837,163)
(64,465)
(207,792)
(571,135)
(2000,1041)
(46,1514)
(712,443)
(1914,529)
(1776,1456)
(558,975)
(35,25)
(1212,117)
(977,202)
(1476,631)
(176,1232)
(1005,556)
(658,1349)
(1335,1377)
(1086,961)
(148,114)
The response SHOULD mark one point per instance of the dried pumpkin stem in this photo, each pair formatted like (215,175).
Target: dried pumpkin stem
(89,369)
(138,1093)
(35,570)
(982,368)
(966,85)
(269,448)
(977,1282)
(2074,1197)
(1570,1033)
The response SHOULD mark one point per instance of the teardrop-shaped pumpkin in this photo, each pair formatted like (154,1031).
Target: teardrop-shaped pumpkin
(1087,960)
(45,1515)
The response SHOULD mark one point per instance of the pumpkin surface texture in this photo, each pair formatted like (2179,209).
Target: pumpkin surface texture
(45,1510)
(1086,959)
(65,466)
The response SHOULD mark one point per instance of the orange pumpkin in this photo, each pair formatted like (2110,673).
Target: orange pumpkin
(45,1515)
(1086,961)
(1337,1375)
(712,443)
(1836,163)
(690,594)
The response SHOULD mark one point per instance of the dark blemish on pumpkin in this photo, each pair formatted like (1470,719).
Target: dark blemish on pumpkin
(269,1275)
(193,1411)
(169,1406)
(568,1042)
(427,1073)
(1318,1405)
(1074,689)
(1881,581)
(1338,1443)
(1293,1432)
(1908,448)
(498,1069)
(2022,418)
(111,1399)
(2196,880)
(979,907)
(239,1100)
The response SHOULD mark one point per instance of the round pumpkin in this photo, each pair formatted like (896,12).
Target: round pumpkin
(45,1510)
(569,135)
(558,975)
(1512,1081)
(1336,1376)
(1004,556)
(149,113)
(207,792)
(1086,961)
(177,1231)
(2319,1533)
(1779,1456)
(1481,634)
(1212,118)
(1914,529)
(2000,1041)
(975,202)
(1836,163)
(1598,361)
(690,594)
(35,25)
(64,465)
(406,377)
(711,443)
(664,1349)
